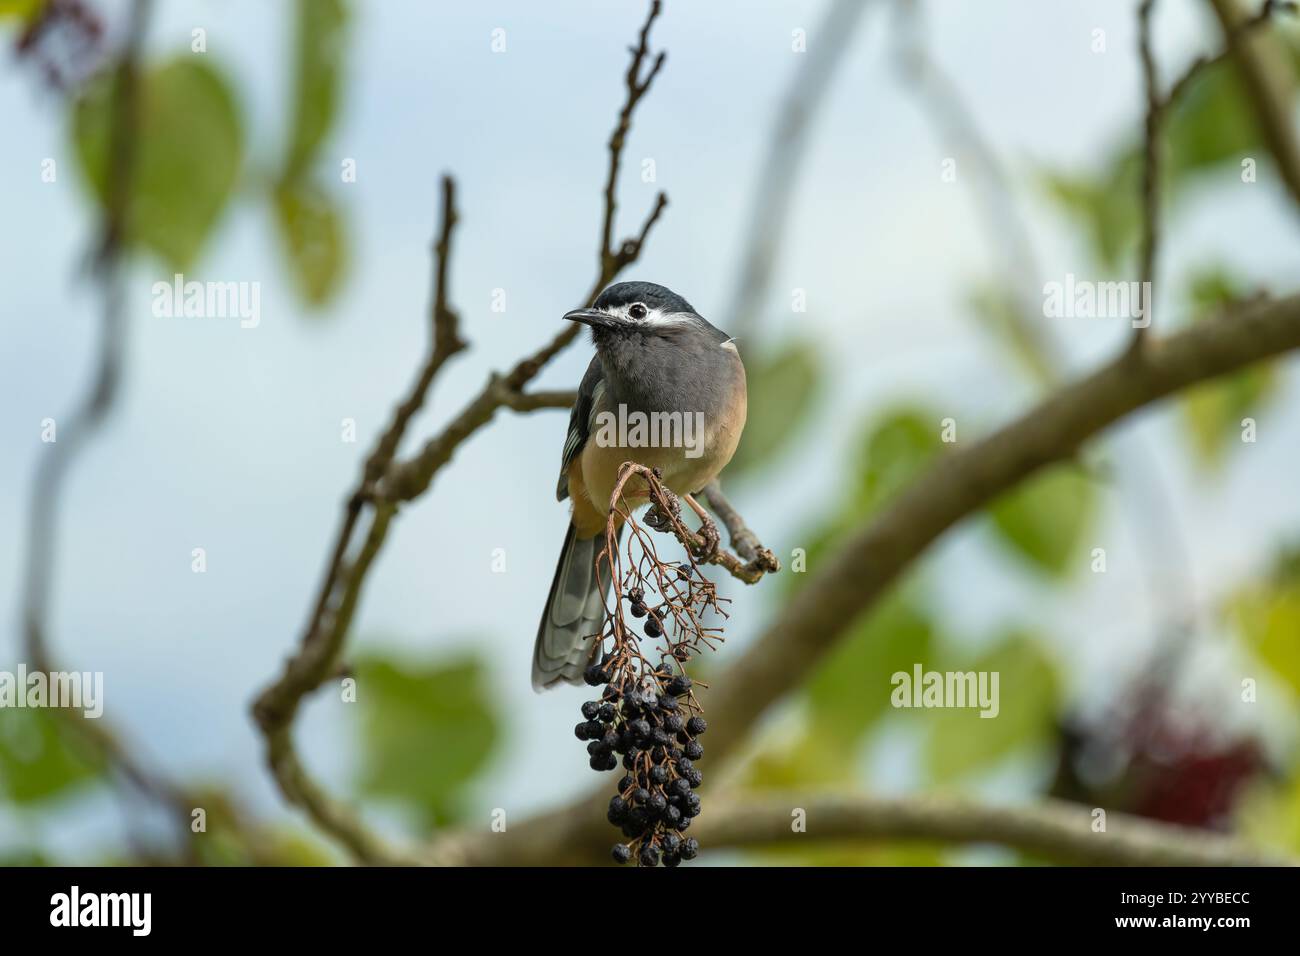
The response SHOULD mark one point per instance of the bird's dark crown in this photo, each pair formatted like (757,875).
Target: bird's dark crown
(652,296)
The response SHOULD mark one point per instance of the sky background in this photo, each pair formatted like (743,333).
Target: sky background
(229,439)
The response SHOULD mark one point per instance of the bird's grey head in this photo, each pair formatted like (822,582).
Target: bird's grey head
(634,314)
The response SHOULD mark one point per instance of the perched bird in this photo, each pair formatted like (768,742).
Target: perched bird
(654,355)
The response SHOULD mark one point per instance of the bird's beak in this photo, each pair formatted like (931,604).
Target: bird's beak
(595,318)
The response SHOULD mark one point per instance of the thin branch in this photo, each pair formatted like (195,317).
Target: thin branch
(1150,170)
(1264,73)
(849,582)
(743,541)
(386,482)
(1273,118)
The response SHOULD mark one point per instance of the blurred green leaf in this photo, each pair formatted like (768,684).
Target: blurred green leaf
(896,447)
(319,45)
(850,690)
(1268,616)
(1210,124)
(1212,412)
(1045,519)
(312,231)
(962,742)
(428,730)
(1105,206)
(996,308)
(36,760)
(25,9)
(186,158)
(809,761)
(782,391)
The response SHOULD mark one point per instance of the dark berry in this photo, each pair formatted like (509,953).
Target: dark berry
(695,777)
(696,726)
(590,709)
(694,750)
(580,731)
(673,724)
(595,676)
(671,816)
(657,802)
(595,730)
(638,610)
(685,766)
(690,848)
(658,776)
(649,855)
(625,784)
(621,853)
(607,713)
(671,842)
(668,703)
(679,685)
(672,859)
(640,795)
(684,573)
(652,627)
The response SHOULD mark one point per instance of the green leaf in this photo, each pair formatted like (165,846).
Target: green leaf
(36,760)
(25,9)
(312,232)
(1212,412)
(850,691)
(962,742)
(319,46)
(1105,206)
(782,391)
(1268,617)
(1045,519)
(428,730)
(185,158)
(896,447)
(998,310)
(1211,123)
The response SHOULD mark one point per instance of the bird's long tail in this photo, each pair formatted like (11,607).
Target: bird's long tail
(574,613)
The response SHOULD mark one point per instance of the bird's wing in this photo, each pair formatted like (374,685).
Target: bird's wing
(580,420)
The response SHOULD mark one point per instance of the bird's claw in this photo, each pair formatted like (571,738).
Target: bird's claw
(712,540)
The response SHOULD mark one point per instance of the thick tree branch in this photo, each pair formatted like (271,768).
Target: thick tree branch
(1052,829)
(850,581)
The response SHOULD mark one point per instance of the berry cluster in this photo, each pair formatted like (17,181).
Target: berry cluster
(645,722)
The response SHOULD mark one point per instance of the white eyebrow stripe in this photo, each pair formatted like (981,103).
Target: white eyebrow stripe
(661,318)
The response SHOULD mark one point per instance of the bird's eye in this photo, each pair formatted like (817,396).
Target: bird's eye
(637,310)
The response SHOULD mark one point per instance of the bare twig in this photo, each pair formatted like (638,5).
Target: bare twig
(1271,103)
(1265,74)
(386,482)
(743,541)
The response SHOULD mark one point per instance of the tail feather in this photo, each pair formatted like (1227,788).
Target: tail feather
(574,614)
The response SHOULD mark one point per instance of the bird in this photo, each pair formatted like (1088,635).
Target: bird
(655,354)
